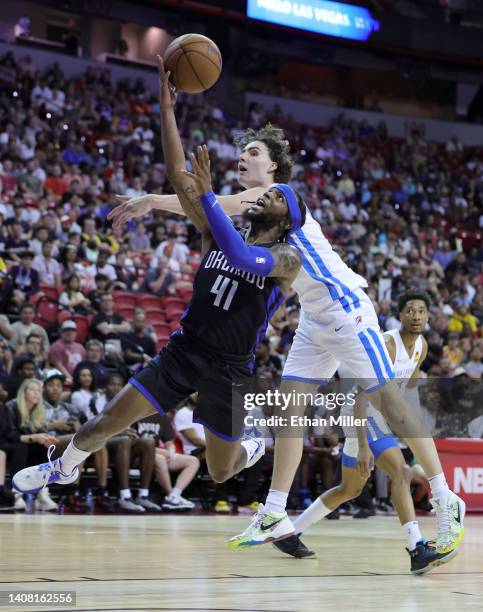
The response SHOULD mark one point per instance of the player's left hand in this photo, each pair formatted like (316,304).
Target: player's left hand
(167,91)
(201,175)
(365,462)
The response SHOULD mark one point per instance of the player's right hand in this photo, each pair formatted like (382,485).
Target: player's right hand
(365,462)
(130,208)
(167,91)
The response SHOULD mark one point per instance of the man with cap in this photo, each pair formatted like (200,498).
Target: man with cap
(66,353)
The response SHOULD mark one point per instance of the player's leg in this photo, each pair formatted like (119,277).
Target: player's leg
(162,381)
(306,367)
(406,423)
(423,555)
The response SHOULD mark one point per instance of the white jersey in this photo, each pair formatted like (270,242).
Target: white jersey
(404,364)
(323,277)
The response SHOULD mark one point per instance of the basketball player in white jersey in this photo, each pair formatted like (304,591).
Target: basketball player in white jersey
(407,349)
(338,324)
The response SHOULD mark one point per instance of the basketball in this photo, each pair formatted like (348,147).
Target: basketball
(194,61)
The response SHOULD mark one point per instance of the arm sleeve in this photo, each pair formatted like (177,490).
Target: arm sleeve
(240,255)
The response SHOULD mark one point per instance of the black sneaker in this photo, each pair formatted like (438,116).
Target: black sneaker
(76,505)
(7,499)
(104,504)
(294,547)
(424,557)
(334,515)
(364,513)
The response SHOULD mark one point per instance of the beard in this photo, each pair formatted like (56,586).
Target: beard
(264,217)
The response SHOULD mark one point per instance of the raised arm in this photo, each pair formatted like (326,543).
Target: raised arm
(174,154)
(282,260)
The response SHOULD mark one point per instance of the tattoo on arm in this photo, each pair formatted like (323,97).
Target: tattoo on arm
(287,261)
(192,207)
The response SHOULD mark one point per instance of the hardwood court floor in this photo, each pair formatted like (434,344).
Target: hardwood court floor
(174,563)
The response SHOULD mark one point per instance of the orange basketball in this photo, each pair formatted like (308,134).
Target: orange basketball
(194,62)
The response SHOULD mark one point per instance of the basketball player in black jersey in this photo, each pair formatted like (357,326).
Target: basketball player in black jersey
(241,281)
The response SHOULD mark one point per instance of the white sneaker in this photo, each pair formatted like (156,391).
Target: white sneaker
(36,477)
(258,453)
(147,504)
(265,527)
(19,502)
(44,502)
(177,502)
(128,505)
(450,512)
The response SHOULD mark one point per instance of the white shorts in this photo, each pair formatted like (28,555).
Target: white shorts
(346,332)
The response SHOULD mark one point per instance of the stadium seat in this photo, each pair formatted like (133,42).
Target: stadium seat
(171,301)
(50,291)
(124,298)
(47,314)
(125,311)
(146,300)
(162,341)
(83,327)
(162,329)
(174,312)
(153,317)
(185,293)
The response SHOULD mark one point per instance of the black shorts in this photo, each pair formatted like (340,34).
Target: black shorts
(183,367)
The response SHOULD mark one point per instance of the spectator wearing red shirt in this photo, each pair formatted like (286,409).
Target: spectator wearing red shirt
(65,354)
(56,184)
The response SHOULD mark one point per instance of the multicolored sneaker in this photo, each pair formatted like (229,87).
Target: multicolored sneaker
(265,527)
(222,506)
(450,512)
(425,557)
(36,477)
(294,547)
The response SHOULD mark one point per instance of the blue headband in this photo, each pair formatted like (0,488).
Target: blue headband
(293,207)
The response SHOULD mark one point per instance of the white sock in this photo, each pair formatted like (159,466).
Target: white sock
(315,512)
(413,534)
(71,458)
(125,494)
(175,492)
(439,486)
(276,501)
(251,446)
(143,492)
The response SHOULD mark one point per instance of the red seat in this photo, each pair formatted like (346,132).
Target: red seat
(65,315)
(146,300)
(47,314)
(83,327)
(124,298)
(50,291)
(174,324)
(162,329)
(125,311)
(162,341)
(185,293)
(171,301)
(174,313)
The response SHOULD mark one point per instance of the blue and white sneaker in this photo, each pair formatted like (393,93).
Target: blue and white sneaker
(258,454)
(33,479)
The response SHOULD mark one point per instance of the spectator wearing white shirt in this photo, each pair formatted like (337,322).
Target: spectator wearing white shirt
(49,269)
(172,250)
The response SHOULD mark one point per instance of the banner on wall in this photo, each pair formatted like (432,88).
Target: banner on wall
(321,16)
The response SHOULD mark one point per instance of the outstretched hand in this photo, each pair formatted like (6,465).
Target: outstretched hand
(201,175)
(167,91)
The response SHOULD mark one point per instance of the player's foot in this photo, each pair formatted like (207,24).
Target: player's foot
(44,503)
(7,499)
(364,513)
(74,504)
(249,508)
(265,527)
(147,504)
(294,547)
(36,477)
(177,502)
(450,512)
(222,506)
(19,503)
(425,556)
(258,454)
(128,505)
(334,515)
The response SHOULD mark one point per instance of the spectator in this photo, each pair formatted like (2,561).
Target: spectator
(84,387)
(26,437)
(32,349)
(167,460)
(50,270)
(138,345)
(124,449)
(452,350)
(171,249)
(24,280)
(461,318)
(94,360)
(107,325)
(139,240)
(474,367)
(25,326)
(161,281)
(102,283)
(23,368)
(73,298)
(66,353)
(266,364)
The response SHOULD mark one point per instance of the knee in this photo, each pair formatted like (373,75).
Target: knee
(401,476)
(351,490)
(219,473)
(194,462)
(161,460)
(146,445)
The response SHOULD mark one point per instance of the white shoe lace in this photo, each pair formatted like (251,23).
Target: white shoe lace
(443,517)
(50,465)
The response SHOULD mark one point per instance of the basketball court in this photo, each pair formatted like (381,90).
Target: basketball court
(174,563)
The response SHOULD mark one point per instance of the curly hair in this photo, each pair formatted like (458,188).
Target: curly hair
(275,140)
(412,294)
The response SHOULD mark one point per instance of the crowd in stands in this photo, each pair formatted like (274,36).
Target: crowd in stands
(84,304)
